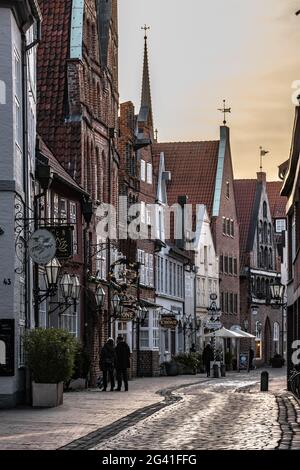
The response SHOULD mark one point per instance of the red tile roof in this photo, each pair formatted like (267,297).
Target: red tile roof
(57,168)
(245,191)
(53,53)
(193,167)
(277,202)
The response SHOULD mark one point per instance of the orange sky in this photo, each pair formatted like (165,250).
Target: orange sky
(202,51)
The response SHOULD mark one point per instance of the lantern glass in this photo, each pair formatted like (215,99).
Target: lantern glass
(66,285)
(51,273)
(115,302)
(276,290)
(100,296)
(75,288)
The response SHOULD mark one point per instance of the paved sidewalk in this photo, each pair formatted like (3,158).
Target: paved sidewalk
(88,411)
(82,413)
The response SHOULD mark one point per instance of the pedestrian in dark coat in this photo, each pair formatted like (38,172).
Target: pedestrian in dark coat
(122,362)
(208,356)
(108,363)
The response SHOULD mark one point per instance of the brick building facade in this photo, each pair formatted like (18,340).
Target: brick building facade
(260,266)
(77,72)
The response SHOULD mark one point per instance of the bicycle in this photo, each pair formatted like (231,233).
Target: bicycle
(294,381)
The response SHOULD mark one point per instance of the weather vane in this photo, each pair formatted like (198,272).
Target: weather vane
(262,154)
(145,28)
(224,110)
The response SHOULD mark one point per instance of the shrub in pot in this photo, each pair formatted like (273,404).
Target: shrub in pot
(189,362)
(50,357)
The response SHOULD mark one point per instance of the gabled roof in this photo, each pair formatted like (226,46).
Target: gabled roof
(193,166)
(245,199)
(276,201)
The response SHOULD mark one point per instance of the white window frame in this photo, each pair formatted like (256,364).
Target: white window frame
(280,225)
(143,170)
(149,173)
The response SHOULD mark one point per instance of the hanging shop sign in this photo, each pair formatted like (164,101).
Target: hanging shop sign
(7,348)
(63,235)
(213,325)
(126,315)
(169,322)
(42,246)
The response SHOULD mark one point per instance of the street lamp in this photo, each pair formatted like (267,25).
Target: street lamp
(277,291)
(66,285)
(115,302)
(75,294)
(254,309)
(51,275)
(100,296)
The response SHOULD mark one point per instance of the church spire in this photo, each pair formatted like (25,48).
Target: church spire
(146,103)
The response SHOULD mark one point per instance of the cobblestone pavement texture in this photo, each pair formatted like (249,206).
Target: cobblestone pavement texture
(82,412)
(225,413)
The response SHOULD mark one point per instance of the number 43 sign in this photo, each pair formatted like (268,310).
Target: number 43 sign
(7,282)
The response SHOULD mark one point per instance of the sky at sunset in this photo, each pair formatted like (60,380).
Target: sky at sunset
(201,51)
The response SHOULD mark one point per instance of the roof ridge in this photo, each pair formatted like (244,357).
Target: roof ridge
(187,142)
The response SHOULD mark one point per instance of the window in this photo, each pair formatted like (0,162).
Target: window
(222,302)
(155,329)
(280,225)
(221,264)
(55,208)
(224,225)
(276,333)
(226,265)
(149,173)
(232,228)
(235,303)
(235,266)
(144,339)
(231,308)
(63,210)
(18,98)
(205,257)
(227,189)
(203,291)
(228,227)
(226,300)
(230,265)
(73,221)
(143,170)
(265,210)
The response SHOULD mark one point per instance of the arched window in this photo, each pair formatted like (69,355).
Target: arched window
(265,210)
(265,236)
(258,285)
(270,259)
(267,287)
(270,234)
(260,232)
(266,258)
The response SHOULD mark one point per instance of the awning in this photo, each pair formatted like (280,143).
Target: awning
(244,333)
(224,333)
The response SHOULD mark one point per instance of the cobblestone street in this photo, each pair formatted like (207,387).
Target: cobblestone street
(209,416)
(188,413)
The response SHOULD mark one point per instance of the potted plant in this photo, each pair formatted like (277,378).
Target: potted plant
(277,361)
(50,357)
(188,362)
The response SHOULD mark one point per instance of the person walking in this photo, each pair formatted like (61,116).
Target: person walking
(208,356)
(108,363)
(122,362)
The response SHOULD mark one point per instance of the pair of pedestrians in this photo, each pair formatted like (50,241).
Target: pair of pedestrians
(115,358)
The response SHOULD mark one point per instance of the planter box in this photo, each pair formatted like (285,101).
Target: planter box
(47,395)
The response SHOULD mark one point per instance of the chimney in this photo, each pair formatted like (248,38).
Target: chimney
(262,177)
